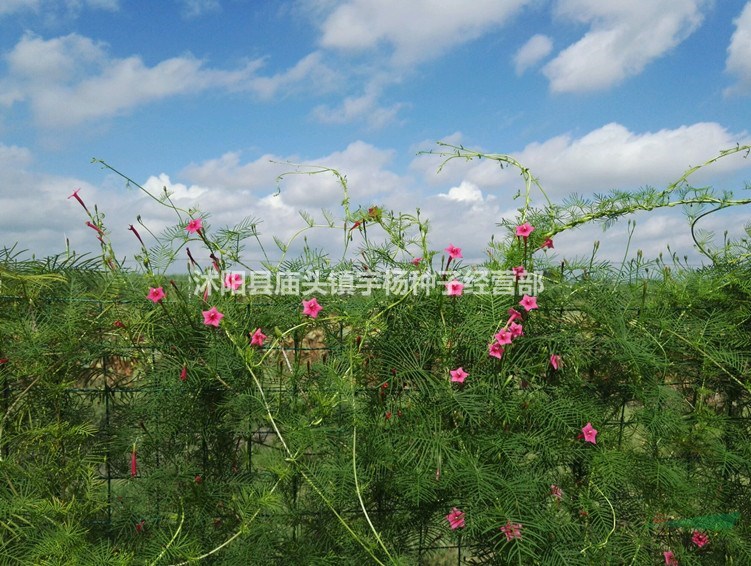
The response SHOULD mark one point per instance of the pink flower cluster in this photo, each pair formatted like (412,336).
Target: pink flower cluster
(456,521)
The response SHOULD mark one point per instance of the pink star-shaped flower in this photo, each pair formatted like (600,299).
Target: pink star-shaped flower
(524,230)
(670,559)
(233,280)
(519,272)
(156,294)
(516,330)
(212,317)
(548,243)
(194,225)
(257,338)
(590,433)
(699,539)
(416,260)
(311,308)
(512,530)
(454,252)
(455,519)
(556,361)
(504,337)
(458,375)
(495,350)
(454,288)
(528,302)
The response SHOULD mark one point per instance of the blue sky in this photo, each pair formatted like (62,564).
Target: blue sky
(210,97)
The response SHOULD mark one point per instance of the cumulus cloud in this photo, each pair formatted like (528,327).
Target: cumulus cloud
(436,25)
(623,38)
(614,157)
(609,157)
(466,192)
(73,79)
(537,48)
(365,166)
(739,52)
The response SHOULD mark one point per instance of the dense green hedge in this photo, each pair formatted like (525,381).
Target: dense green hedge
(139,431)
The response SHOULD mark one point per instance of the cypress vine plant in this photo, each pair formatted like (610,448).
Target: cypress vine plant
(402,407)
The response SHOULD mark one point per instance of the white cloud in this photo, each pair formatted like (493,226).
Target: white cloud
(366,108)
(614,157)
(14,157)
(310,73)
(623,38)
(739,52)
(415,30)
(466,192)
(537,48)
(609,157)
(363,164)
(158,184)
(73,79)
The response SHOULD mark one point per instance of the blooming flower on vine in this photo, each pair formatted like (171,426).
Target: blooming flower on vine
(516,330)
(512,530)
(699,538)
(212,317)
(504,337)
(454,288)
(528,302)
(257,338)
(495,350)
(519,272)
(454,252)
(458,375)
(590,433)
(524,230)
(455,519)
(233,280)
(156,294)
(194,225)
(670,559)
(311,308)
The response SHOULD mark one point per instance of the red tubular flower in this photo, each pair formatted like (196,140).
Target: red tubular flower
(75,196)
(132,229)
(94,227)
